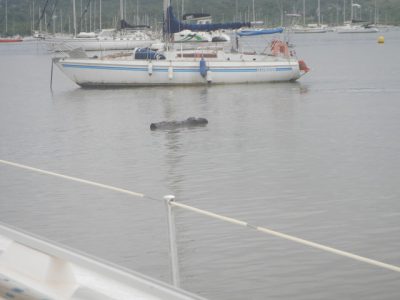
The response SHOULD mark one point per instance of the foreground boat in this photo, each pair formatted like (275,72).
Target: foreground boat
(33,268)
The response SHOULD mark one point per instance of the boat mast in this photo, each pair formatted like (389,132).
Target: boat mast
(319,12)
(94,15)
(33,15)
(40,21)
(90,16)
(100,14)
(137,13)
(6,17)
(304,12)
(80,19)
(166,4)
(74,15)
(121,8)
(236,11)
(344,11)
(254,13)
(351,11)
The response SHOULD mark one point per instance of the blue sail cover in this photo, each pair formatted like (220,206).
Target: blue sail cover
(260,31)
(173,25)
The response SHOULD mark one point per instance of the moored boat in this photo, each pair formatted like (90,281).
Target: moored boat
(310,28)
(10,39)
(352,28)
(259,31)
(185,67)
(34,268)
(107,39)
(174,66)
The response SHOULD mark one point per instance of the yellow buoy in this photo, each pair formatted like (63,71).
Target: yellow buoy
(381,39)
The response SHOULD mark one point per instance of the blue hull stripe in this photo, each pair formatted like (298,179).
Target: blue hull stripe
(233,70)
(283,69)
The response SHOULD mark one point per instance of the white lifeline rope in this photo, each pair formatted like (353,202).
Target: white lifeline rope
(104,186)
(217,216)
(289,237)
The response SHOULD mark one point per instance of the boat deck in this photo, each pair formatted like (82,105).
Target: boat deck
(33,268)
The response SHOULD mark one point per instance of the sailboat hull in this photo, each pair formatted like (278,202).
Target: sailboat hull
(148,73)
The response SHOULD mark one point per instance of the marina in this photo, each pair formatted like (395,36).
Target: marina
(199,189)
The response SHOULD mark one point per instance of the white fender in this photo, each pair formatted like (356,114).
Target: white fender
(209,76)
(170,72)
(150,69)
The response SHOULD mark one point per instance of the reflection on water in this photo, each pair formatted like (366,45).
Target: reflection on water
(318,158)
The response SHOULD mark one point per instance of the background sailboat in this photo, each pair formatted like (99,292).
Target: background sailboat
(308,28)
(125,37)
(356,25)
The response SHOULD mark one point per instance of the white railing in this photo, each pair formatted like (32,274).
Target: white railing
(171,202)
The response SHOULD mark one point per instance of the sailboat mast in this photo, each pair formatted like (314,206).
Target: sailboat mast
(6,17)
(40,21)
(121,8)
(304,12)
(351,11)
(319,12)
(100,15)
(90,16)
(166,3)
(254,13)
(33,15)
(236,11)
(74,15)
(137,12)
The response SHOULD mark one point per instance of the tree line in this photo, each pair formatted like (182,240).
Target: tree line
(24,16)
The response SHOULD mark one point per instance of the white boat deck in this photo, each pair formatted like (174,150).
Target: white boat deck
(32,268)
(197,55)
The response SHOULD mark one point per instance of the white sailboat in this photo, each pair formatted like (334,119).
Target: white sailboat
(176,66)
(353,26)
(107,39)
(309,28)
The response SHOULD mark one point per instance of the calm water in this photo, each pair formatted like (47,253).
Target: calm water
(319,159)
